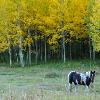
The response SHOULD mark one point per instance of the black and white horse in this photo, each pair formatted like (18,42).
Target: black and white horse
(77,78)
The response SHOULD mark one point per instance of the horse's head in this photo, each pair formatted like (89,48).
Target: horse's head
(92,75)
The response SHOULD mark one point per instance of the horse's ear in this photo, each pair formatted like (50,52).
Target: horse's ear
(91,71)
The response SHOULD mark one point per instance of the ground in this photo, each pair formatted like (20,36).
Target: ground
(43,82)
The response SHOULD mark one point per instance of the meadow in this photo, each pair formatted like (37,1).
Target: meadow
(45,82)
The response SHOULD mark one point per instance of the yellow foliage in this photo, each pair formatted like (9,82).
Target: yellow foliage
(46,16)
(95,25)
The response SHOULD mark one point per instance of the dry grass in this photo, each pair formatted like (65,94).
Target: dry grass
(38,83)
(41,94)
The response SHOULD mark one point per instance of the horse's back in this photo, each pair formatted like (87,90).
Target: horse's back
(73,77)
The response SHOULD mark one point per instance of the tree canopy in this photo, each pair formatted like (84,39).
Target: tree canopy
(49,22)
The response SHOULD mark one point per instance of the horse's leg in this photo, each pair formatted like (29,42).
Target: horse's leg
(76,87)
(69,87)
(86,89)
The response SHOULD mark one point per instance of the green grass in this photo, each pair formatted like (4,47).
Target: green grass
(45,82)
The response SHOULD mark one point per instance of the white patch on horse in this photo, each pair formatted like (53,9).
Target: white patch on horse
(88,73)
(83,78)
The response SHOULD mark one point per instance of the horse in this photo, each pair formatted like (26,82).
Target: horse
(77,78)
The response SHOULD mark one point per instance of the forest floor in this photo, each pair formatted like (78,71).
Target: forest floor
(44,82)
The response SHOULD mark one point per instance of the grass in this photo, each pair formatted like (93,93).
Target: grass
(45,82)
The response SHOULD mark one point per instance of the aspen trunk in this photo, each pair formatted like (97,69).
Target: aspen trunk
(36,53)
(20,52)
(93,51)
(30,62)
(10,57)
(64,48)
(63,34)
(20,38)
(29,46)
(27,58)
(41,51)
(63,43)
(93,54)
(10,54)
(70,50)
(90,49)
(45,50)
(17,60)
(81,50)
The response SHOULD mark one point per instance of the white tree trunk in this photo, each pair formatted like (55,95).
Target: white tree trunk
(36,57)
(20,37)
(17,57)
(41,51)
(64,48)
(45,51)
(10,54)
(70,47)
(90,49)
(93,55)
(21,56)
(30,62)
(29,46)
(63,42)
(10,57)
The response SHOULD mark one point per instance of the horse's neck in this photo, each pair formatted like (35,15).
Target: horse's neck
(88,81)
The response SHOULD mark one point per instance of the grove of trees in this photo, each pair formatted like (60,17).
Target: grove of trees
(43,30)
